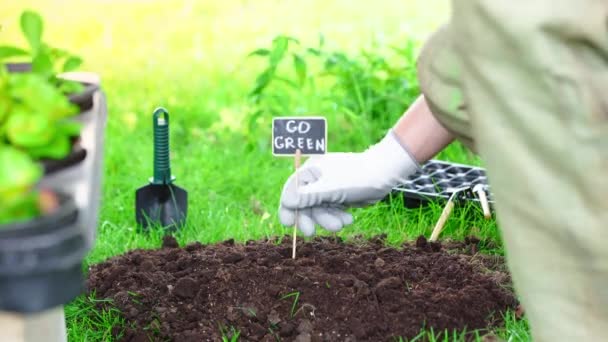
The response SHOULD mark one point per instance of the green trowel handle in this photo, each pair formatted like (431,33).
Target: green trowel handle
(162,164)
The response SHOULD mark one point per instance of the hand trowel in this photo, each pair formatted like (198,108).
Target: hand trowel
(161,203)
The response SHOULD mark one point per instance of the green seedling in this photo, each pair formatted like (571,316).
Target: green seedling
(17,179)
(135,295)
(47,61)
(35,116)
(34,125)
(232,336)
(273,331)
(154,326)
(34,119)
(408,287)
(296,296)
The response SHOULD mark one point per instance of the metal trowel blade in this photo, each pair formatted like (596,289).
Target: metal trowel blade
(165,205)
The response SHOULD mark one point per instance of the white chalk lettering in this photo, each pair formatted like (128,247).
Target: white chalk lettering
(309,144)
(289,142)
(301,127)
(278,142)
(290,126)
(320,145)
(304,127)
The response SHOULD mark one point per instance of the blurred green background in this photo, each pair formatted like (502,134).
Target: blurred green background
(351,61)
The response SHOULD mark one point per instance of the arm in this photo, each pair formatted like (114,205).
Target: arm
(333,182)
(420,131)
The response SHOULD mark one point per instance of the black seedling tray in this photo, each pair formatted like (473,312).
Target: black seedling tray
(436,178)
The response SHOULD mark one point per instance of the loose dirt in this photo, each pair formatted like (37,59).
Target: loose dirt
(333,291)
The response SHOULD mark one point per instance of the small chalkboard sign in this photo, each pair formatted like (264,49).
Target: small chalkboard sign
(307,134)
(297,137)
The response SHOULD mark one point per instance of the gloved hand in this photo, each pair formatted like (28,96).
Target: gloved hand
(329,184)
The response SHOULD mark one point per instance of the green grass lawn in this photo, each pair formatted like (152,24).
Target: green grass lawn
(191,58)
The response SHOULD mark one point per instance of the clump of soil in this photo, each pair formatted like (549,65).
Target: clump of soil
(333,291)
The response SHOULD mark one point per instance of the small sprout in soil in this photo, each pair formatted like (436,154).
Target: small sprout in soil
(154,326)
(251,312)
(135,295)
(232,336)
(327,285)
(272,330)
(295,294)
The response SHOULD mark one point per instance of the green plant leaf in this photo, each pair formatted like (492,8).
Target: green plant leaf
(11,51)
(70,87)
(300,66)
(31,26)
(57,53)
(315,52)
(42,64)
(27,208)
(18,174)
(279,47)
(58,148)
(69,128)
(4,110)
(37,94)
(72,63)
(259,52)
(252,124)
(262,81)
(27,129)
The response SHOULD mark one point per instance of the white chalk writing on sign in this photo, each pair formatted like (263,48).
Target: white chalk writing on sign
(308,134)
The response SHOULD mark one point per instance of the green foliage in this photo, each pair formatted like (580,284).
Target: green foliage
(17,175)
(98,319)
(294,305)
(34,120)
(31,26)
(230,336)
(369,89)
(46,60)
(7,52)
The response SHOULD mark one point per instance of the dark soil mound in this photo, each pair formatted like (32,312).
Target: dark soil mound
(333,291)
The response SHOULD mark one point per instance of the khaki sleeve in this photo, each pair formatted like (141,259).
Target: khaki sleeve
(439,76)
(535,84)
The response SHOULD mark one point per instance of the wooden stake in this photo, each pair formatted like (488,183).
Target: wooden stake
(442,220)
(296,162)
(484,204)
(483,199)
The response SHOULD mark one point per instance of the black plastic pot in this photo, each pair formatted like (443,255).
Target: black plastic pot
(19,67)
(80,173)
(41,260)
(84,99)
(77,155)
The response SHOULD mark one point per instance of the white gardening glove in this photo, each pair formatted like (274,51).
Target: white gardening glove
(331,183)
